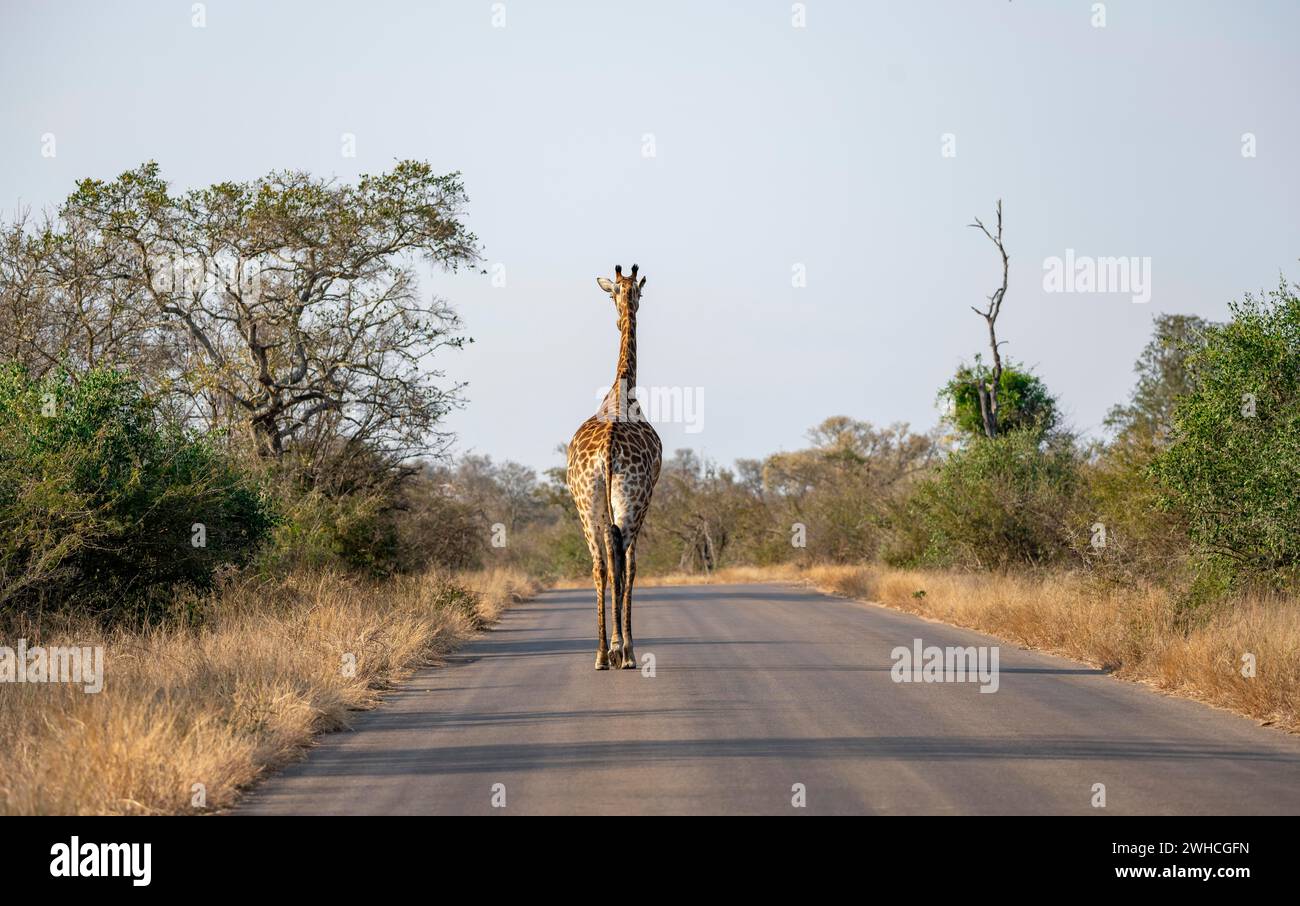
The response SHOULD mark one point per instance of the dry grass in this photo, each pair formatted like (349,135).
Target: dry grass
(731,575)
(1131,632)
(221,705)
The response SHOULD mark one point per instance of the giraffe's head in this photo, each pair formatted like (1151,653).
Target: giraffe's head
(625,291)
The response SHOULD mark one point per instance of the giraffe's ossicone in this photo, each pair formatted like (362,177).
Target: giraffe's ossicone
(614,461)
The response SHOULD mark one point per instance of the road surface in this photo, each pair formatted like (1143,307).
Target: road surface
(758,689)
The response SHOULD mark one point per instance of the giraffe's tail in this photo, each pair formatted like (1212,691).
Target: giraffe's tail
(616,553)
(617,562)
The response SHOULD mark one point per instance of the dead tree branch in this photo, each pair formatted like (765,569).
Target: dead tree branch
(986,385)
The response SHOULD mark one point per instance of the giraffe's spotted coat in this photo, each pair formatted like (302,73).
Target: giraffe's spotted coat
(614,461)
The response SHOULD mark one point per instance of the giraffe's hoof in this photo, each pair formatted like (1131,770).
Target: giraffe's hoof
(602,660)
(629,659)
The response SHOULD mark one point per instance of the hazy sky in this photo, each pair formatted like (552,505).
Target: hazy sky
(773,146)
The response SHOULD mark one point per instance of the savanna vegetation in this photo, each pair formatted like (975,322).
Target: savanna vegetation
(1187,491)
(221,458)
(219,411)
(1165,551)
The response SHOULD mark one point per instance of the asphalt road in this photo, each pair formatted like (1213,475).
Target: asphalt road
(757,688)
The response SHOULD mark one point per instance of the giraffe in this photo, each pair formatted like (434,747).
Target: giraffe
(614,461)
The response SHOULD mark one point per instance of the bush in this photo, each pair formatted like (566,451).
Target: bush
(348,532)
(997,503)
(1145,541)
(403,524)
(436,530)
(107,508)
(1232,463)
(1024,402)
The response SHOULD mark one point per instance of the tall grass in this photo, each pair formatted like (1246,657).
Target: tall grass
(272,663)
(1133,631)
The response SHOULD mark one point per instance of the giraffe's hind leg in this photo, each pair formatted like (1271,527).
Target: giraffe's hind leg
(598,577)
(614,547)
(629,577)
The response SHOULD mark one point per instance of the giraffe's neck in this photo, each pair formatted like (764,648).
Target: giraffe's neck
(620,397)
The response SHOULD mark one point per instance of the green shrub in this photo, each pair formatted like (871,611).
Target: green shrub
(353,532)
(105,507)
(1145,541)
(1024,402)
(1232,464)
(402,526)
(996,503)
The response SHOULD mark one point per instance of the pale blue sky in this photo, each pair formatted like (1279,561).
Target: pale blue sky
(774,146)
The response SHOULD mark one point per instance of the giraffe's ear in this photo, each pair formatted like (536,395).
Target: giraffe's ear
(605,284)
(641,285)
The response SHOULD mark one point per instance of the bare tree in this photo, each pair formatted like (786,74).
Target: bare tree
(988,382)
(60,304)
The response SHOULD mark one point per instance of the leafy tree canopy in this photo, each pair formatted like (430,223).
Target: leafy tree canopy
(1234,454)
(1163,378)
(1024,402)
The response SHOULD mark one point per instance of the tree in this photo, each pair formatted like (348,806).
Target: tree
(987,382)
(1145,539)
(698,510)
(62,304)
(289,304)
(1023,400)
(1234,453)
(1146,534)
(1164,377)
(841,486)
